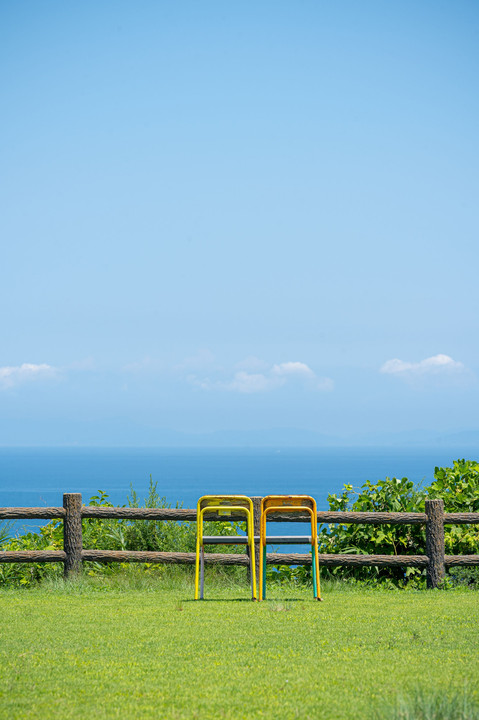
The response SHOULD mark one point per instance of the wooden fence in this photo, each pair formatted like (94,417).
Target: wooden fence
(435,561)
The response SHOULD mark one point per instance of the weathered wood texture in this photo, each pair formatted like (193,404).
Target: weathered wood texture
(31,556)
(72,534)
(435,561)
(20,513)
(240,559)
(461,518)
(374,560)
(90,511)
(352,518)
(182,558)
(324,516)
(468,560)
(435,543)
(372,518)
(347,560)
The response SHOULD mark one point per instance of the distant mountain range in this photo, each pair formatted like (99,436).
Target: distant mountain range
(294,437)
(123,433)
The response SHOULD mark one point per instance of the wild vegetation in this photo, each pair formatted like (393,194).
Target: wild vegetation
(458,486)
(107,534)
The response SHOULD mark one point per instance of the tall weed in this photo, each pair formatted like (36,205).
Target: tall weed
(431,705)
(106,534)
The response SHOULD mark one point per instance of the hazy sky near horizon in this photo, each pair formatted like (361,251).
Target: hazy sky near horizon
(238,216)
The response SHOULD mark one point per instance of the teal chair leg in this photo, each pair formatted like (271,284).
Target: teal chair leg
(315,581)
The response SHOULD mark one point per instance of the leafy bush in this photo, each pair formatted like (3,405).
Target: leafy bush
(389,495)
(106,534)
(28,573)
(458,487)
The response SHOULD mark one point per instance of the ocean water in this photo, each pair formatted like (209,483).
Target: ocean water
(40,476)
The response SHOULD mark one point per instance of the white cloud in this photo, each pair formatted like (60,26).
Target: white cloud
(271,378)
(292,368)
(12,375)
(438,364)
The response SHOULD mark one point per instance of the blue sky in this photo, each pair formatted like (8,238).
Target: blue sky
(237,217)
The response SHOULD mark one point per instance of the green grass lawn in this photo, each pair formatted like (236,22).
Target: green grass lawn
(97,649)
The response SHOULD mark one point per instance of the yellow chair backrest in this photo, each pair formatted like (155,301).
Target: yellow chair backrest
(296,501)
(228,507)
(288,504)
(223,501)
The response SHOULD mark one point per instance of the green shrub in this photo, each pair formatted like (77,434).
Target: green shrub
(389,495)
(106,534)
(457,486)
(28,573)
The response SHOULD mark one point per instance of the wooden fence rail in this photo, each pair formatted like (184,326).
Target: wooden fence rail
(72,556)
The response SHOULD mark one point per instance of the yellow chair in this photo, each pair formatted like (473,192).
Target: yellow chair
(224,506)
(288,504)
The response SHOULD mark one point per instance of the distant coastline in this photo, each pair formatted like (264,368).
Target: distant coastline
(145,438)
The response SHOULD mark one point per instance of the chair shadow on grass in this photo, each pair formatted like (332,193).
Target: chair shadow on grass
(246,600)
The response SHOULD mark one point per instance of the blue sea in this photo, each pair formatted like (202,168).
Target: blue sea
(40,476)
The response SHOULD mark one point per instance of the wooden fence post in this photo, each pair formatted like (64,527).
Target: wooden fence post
(72,534)
(435,543)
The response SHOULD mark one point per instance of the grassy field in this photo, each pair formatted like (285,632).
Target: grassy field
(129,649)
